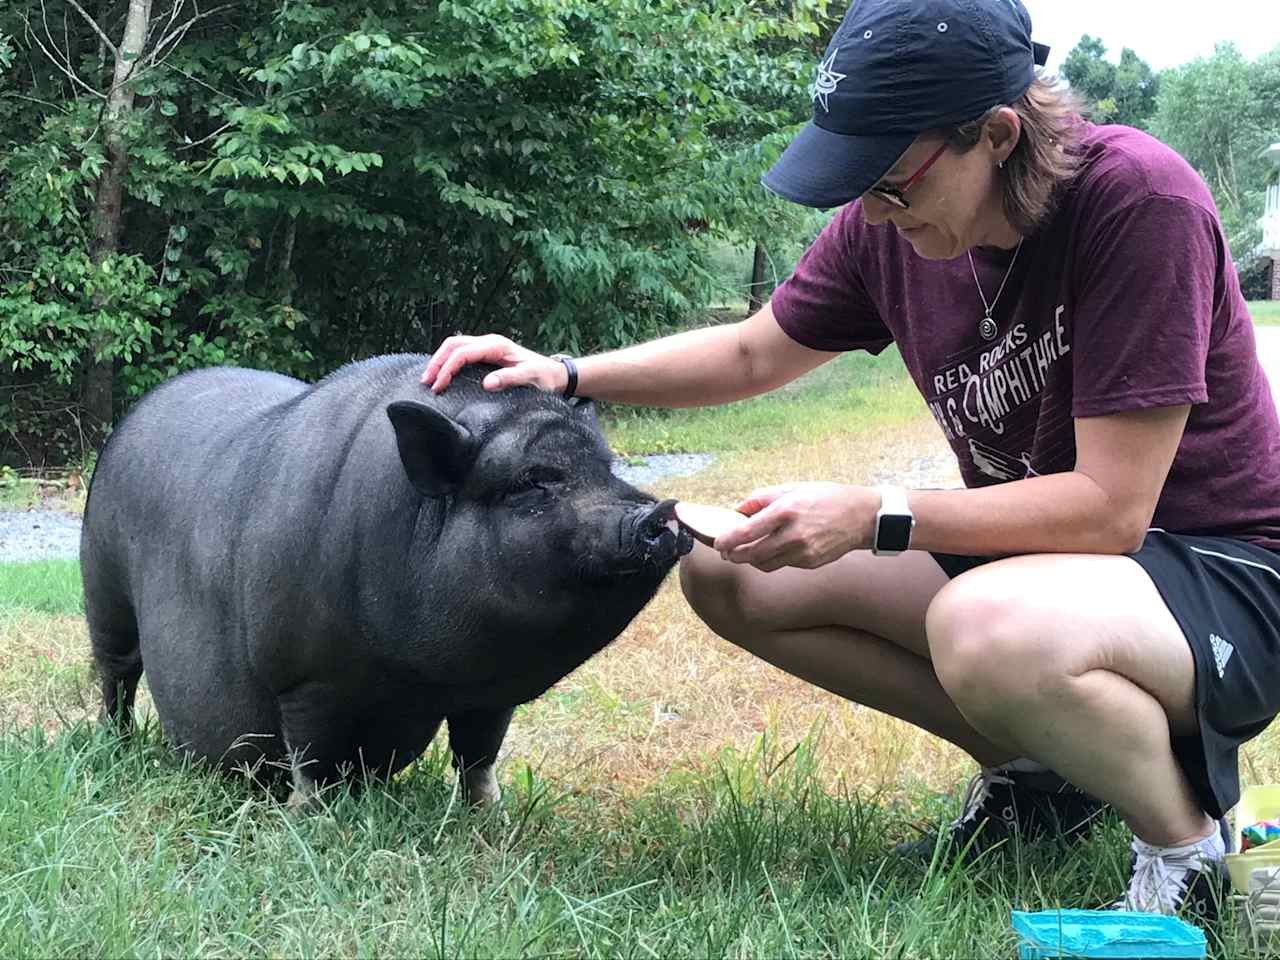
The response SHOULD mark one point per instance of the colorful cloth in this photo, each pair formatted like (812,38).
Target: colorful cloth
(1256,834)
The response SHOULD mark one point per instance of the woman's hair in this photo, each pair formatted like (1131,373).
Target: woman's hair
(1046,157)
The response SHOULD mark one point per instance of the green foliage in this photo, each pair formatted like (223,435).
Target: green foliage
(49,314)
(308,183)
(1255,278)
(42,586)
(1124,93)
(1220,112)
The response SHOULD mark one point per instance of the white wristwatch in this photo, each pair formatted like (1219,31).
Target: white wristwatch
(894,522)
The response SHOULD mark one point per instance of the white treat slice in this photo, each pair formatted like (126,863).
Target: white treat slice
(707,522)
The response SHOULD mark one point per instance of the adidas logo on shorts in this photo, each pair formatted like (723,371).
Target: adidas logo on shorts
(1222,652)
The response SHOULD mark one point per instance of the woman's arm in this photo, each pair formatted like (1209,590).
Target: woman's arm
(1103,506)
(691,369)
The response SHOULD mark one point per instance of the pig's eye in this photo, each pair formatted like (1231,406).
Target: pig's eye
(536,479)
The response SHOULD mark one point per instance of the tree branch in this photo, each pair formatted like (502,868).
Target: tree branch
(153,23)
(149,62)
(180,31)
(89,139)
(93,23)
(197,80)
(189,146)
(10,95)
(65,63)
(70,74)
(66,36)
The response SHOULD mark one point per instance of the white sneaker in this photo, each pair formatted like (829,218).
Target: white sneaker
(1171,880)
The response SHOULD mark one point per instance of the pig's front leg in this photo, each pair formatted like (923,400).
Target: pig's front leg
(304,788)
(475,737)
(317,723)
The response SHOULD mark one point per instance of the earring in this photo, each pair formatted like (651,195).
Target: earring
(1000,164)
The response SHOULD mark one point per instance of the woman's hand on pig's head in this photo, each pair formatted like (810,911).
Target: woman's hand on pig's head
(520,367)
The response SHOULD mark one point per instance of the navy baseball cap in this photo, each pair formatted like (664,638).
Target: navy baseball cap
(894,69)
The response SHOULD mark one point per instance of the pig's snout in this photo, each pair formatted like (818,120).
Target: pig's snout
(658,538)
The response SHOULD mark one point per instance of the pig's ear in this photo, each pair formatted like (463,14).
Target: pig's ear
(435,449)
(585,408)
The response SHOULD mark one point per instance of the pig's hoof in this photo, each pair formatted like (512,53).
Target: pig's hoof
(299,800)
(481,788)
(304,790)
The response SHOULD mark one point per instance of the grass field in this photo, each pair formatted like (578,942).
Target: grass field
(851,394)
(1266,312)
(119,851)
(673,797)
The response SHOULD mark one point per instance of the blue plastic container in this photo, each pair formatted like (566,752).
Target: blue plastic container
(1104,933)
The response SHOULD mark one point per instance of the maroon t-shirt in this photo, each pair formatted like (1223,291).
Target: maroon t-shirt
(1128,299)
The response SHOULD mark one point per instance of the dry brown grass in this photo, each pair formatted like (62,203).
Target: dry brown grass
(67,494)
(44,669)
(46,672)
(670,695)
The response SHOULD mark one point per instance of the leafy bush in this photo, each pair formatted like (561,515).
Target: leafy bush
(308,183)
(1255,279)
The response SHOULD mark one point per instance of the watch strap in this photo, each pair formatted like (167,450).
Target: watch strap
(893,499)
(571,387)
(893,504)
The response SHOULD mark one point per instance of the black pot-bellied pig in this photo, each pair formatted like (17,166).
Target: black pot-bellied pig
(314,577)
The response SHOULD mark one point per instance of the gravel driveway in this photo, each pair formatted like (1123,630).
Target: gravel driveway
(55,534)
(49,534)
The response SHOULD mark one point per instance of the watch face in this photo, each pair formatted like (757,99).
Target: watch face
(893,532)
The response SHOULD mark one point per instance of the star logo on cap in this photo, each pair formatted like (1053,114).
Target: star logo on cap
(825,83)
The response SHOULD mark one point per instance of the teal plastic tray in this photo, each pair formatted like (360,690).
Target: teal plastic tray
(1104,933)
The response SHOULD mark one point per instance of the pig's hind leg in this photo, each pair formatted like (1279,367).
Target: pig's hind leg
(475,738)
(117,654)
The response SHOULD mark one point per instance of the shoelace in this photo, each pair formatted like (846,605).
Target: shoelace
(976,794)
(1160,877)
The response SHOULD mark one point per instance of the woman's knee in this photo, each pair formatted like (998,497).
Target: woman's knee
(987,648)
(884,598)
(712,588)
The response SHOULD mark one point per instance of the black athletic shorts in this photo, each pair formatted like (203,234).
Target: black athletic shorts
(1225,594)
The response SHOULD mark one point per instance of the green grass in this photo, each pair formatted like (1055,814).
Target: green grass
(18,496)
(43,586)
(120,850)
(852,392)
(1265,312)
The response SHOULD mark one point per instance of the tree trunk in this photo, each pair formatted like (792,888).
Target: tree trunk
(440,317)
(104,8)
(285,279)
(100,375)
(754,300)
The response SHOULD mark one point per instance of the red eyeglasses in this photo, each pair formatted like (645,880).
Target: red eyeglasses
(894,195)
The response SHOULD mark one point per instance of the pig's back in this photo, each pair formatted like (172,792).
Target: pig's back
(223,467)
(181,461)
(185,433)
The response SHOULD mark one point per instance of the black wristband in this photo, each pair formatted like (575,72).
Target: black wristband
(571,387)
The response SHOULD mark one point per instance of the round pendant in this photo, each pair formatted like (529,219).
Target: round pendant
(987,328)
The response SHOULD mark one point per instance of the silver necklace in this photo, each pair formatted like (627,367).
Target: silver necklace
(987,328)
